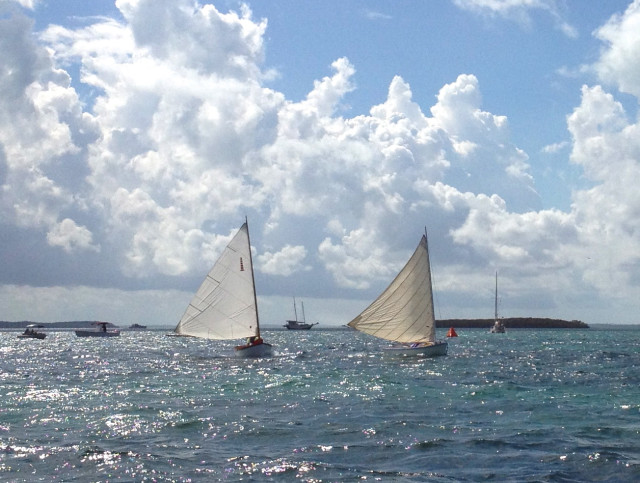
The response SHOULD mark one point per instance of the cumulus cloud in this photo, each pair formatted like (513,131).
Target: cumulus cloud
(607,146)
(619,62)
(183,138)
(285,262)
(67,234)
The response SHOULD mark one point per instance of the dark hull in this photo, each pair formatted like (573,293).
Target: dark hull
(297,325)
(95,333)
(37,335)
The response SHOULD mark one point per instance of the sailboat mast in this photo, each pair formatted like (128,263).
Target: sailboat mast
(295,310)
(496,298)
(253,280)
(433,311)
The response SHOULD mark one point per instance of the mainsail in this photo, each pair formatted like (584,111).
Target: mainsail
(224,307)
(404,311)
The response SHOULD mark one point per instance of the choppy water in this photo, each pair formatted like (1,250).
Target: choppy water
(546,405)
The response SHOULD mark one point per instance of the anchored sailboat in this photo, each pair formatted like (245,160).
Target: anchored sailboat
(296,324)
(404,312)
(498,327)
(225,306)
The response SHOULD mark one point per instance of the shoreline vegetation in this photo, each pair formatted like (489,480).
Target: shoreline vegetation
(509,322)
(512,323)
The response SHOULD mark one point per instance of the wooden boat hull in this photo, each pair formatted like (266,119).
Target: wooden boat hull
(258,350)
(38,335)
(434,350)
(95,333)
(299,326)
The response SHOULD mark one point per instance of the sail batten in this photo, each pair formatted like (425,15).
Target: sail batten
(224,306)
(404,310)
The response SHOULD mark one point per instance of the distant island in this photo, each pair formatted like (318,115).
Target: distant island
(512,323)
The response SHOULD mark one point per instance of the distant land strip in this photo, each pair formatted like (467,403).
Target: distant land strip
(512,323)
(77,324)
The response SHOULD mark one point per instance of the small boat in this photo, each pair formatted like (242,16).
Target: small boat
(137,327)
(100,331)
(296,324)
(404,312)
(31,333)
(498,326)
(225,307)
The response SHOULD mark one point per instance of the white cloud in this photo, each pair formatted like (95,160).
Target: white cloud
(519,11)
(184,140)
(67,234)
(285,262)
(619,62)
(607,146)
(556,147)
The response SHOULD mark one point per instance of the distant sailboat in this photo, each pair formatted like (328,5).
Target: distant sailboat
(225,306)
(296,324)
(498,327)
(404,312)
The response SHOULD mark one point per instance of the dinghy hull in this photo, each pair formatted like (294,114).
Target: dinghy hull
(433,350)
(258,350)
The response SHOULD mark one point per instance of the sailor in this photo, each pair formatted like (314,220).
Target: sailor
(255,340)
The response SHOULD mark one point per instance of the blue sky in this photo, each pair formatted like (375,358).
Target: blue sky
(137,135)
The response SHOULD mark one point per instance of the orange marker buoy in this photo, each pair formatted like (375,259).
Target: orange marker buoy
(452,332)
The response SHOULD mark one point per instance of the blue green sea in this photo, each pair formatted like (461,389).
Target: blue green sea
(528,405)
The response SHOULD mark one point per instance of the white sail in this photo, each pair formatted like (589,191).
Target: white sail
(404,311)
(224,307)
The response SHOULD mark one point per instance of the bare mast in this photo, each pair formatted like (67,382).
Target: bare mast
(496,297)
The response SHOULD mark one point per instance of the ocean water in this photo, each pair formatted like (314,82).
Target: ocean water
(529,405)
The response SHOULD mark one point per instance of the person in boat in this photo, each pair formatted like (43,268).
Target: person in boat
(104,327)
(255,340)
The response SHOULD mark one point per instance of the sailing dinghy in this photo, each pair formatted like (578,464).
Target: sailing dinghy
(225,306)
(404,312)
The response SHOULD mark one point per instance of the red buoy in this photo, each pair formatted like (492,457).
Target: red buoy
(452,332)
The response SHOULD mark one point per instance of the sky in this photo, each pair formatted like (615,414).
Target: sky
(137,135)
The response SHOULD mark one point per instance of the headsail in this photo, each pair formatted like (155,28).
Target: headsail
(404,311)
(224,307)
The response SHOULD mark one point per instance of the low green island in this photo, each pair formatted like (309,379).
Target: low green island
(512,323)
